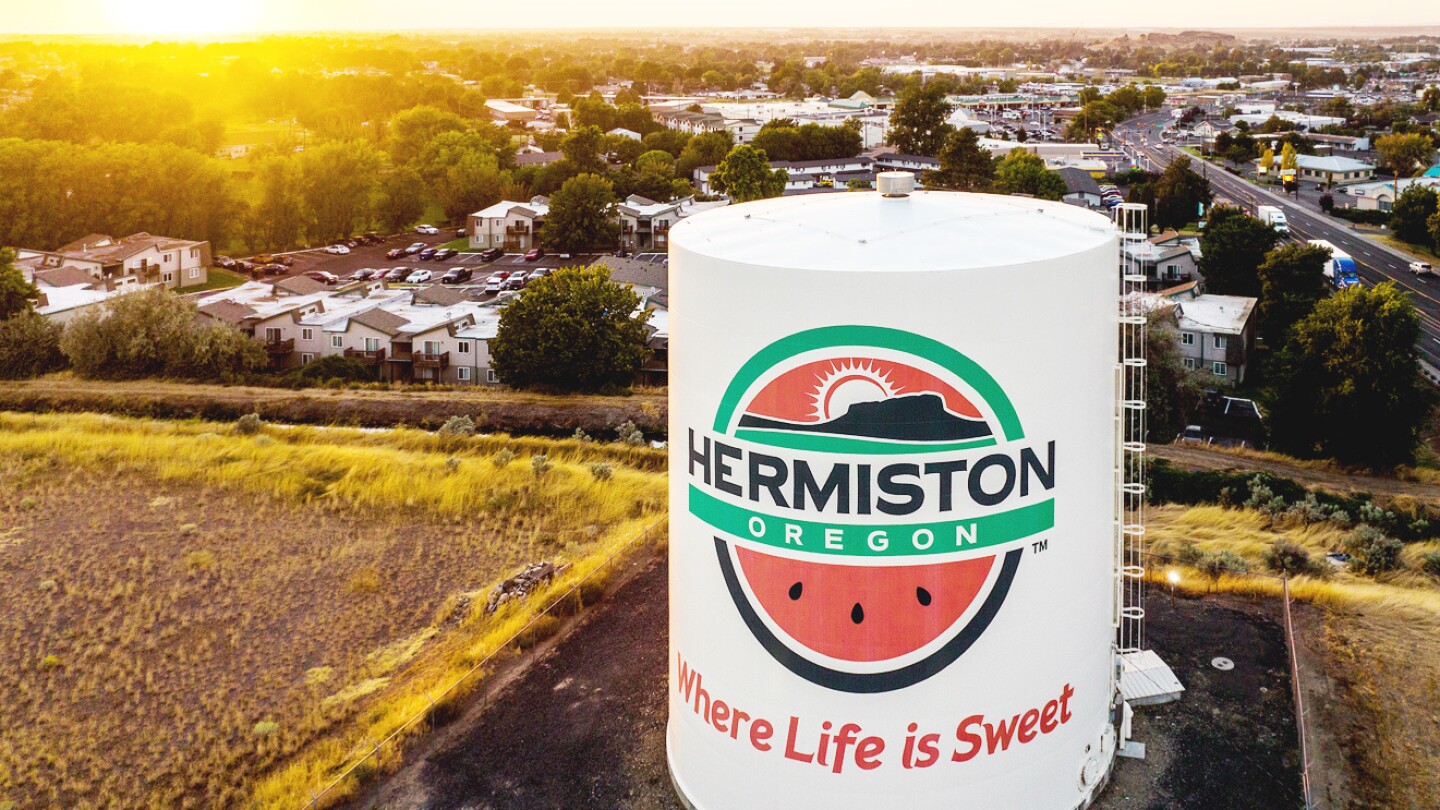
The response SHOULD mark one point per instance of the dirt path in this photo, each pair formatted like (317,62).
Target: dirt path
(1199,458)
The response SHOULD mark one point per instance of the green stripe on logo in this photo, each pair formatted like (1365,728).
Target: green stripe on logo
(874,541)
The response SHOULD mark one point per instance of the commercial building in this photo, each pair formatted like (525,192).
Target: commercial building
(1381,195)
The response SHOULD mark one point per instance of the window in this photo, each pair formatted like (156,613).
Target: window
(432,347)
(167,258)
(462,373)
(1189,362)
(463,347)
(194,272)
(306,357)
(1187,338)
(1219,369)
(337,341)
(307,334)
(194,253)
(272,334)
(169,277)
(490,376)
(372,344)
(1219,341)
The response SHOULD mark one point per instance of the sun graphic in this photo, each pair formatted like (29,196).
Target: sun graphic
(850,382)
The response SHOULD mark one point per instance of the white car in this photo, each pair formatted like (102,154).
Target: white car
(419,277)
(428,230)
(338,250)
(1422,268)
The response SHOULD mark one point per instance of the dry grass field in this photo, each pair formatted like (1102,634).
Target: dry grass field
(199,618)
(1381,643)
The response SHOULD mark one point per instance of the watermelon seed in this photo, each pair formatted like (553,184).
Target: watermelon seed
(795,591)
(923,596)
(857,613)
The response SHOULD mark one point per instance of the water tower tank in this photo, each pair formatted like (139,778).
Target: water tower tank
(893,502)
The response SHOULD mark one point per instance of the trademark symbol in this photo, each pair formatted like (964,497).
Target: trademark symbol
(1037,547)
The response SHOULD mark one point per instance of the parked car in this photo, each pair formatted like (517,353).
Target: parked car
(496,282)
(419,277)
(491,254)
(459,233)
(374,238)
(534,255)
(1422,269)
(1193,434)
(241,266)
(272,269)
(265,258)
(337,250)
(446,253)
(428,230)
(457,275)
(395,253)
(537,273)
(323,277)
(426,255)
(516,281)
(225,262)
(398,273)
(415,247)
(363,274)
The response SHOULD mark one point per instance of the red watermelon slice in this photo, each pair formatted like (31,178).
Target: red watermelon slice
(858,618)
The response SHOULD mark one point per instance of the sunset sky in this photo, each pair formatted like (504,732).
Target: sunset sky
(199,17)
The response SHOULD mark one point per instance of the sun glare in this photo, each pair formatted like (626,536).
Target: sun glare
(183,17)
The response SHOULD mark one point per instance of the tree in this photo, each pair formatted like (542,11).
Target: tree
(1292,281)
(1022,172)
(964,165)
(402,199)
(29,346)
(656,161)
(1154,96)
(584,148)
(15,291)
(1172,391)
(1405,153)
(1267,161)
(579,218)
(412,129)
(277,219)
(155,333)
(745,175)
(1231,251)
(705,149)
(1434,225)
(919,123)
(1093,120)
(1179,193)
(1410,217)
(1348,384)
(337,180)
(573,330)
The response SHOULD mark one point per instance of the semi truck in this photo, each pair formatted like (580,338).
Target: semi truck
(1272,215)
(1340,267)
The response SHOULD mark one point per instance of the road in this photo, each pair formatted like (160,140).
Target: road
(1375,262)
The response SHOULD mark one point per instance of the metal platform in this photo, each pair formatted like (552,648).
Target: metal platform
(1145,680)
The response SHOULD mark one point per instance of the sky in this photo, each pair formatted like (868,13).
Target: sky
(203,17)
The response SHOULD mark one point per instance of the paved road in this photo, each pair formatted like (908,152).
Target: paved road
(1375,262)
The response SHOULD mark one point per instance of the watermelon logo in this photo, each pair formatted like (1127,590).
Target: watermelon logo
(871,491)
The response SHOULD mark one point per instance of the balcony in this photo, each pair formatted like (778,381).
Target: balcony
(661,227)
(280,348)
(523,229)
(373,357)
(440,360)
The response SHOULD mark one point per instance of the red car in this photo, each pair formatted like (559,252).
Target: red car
(534,255)
(323,277)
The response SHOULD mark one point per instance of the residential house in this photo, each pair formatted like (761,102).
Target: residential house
(1080,187)
(645,224)
(1166,260)
(133,261)
(1217,334)
(512,226)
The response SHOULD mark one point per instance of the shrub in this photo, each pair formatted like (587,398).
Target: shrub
(601,472)
(265,728)
(50,662)
(1364,217)
(540,464)
(1289,559)
(1430,564)
(503,458)
(1327,203)
(1372,551)
(627,433)
(581,435)
(249,424)
(336,367)
(458,426)
(29,346)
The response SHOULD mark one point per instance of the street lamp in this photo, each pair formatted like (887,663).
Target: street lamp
(1173,577)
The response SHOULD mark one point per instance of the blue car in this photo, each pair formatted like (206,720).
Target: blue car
(427,254)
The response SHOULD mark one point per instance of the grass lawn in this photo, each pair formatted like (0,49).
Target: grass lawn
(1418,251)
(463,243)
(219,279)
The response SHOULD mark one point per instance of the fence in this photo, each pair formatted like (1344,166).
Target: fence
(1302,729)
(428,712)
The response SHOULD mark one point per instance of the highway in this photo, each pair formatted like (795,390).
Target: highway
(1375,262)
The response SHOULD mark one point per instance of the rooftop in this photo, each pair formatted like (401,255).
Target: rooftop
(1224,314)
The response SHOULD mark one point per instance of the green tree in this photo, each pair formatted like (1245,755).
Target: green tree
(472,183)
(1434,225)
(1021,172)
(964,165)
(1405,153)
(277,219)
(1154,96)
(1410,217)
(1348,385)
(584,148)
(745,175)
(919,123)
(1179,192)
(410,130)
(705,149)
(1094,119)
(337,180)
(29,346)
(1292,281)
(1231,251)
(579,218)
(156,333)
(574,330)
(402,199)
(15,291)
(656,161)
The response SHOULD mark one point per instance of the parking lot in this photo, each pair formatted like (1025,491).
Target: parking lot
(373,257)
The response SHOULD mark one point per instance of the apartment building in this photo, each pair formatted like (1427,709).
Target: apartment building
(512,226)
(136,260)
